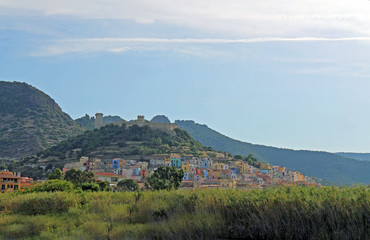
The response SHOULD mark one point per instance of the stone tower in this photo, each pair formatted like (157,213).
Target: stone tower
(140,119)
(98,120)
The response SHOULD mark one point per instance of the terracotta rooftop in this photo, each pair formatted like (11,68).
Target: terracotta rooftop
(107,174)
(8,176)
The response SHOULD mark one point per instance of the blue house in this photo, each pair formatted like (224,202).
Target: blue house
(186,176)
(175,160)
(136,171)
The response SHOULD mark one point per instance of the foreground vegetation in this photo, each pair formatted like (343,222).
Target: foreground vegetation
(276,213)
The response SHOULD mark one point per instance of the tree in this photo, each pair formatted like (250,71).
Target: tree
(78,177)
(156,141)
(238,157)
(127,185)
(104,186)
(251,159)
(165,178)
(52,186)
(94,187)
(56,174)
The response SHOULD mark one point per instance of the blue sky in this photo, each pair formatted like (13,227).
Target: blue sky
(292,74)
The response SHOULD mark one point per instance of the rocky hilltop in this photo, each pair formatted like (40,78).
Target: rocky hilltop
(160,119)
(30,121)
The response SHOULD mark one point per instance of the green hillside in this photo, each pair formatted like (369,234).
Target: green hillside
(30,121)
(323,165)
(108,142)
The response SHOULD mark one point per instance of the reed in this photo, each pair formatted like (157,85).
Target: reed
(274,213)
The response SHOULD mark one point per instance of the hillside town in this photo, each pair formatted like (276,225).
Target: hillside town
(199,172)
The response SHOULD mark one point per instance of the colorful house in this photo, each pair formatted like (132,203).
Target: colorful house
(185,166)
(175,160)
(136,171)
(186,176)
(265,171)
(110,177)
(206,163)
(167,162)
(144,172)
(156,162)
(9,182)
(227,183)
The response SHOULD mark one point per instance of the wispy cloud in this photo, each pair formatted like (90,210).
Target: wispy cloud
(118,45)
(250,18)
(216,40)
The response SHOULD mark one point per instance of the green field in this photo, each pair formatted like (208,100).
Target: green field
(276,213)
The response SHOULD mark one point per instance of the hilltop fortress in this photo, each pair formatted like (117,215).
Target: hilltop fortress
(140,121)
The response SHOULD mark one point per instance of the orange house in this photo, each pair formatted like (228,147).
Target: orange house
(9,182)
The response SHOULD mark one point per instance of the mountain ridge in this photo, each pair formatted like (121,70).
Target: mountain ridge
(357,156)
(320,164)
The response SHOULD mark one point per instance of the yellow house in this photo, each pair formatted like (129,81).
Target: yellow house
(219,166)
(298,177)
(122,163)
(167,162)
(242,166)
(227,183)
(9,182)
(265,166)
(185,166)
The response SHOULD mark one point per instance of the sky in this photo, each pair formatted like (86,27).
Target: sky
(290,74)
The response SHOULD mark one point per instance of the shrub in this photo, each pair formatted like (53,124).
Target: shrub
(43,203)
(52,186)
(93,187)
(127,185)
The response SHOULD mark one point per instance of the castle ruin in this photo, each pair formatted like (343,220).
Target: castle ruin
(140,121)
(98,120)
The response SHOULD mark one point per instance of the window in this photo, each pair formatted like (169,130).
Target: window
(15,180)
(15,187)
(3,187)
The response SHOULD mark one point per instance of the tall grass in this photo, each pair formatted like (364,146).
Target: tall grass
(275,213)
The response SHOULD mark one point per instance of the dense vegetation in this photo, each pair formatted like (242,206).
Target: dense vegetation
(69,181)
(30,121)
(275,213)
(165,178)
(322,165)
(153,141)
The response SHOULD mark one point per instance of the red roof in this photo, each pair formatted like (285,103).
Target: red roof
(8,176)
(107,174)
